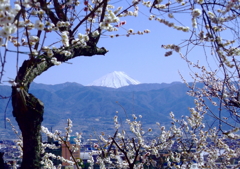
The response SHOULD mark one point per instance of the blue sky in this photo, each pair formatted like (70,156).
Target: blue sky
(139,56)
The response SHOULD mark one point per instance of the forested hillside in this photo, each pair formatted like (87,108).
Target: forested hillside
(93,108)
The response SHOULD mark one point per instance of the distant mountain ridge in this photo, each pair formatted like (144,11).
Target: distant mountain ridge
(93,107)
(115,79)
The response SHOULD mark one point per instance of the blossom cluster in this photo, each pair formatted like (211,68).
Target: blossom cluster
(214,27)
(99,18)
(62,140)
(191,127)
(28,24)
(169,24)
(184,136)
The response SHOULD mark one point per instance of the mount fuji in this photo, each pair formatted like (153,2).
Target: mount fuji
(115,79)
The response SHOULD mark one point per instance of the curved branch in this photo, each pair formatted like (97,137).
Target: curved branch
(34,67)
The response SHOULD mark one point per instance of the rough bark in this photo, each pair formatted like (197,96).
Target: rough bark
(28,110)
(29,116)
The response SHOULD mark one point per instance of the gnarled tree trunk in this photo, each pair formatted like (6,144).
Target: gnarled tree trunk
(29,119)
(28,110)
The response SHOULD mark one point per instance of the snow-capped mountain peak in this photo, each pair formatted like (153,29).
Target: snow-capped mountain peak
(115,79)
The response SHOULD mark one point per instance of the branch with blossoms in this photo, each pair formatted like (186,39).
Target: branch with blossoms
(28,24)
(63,19)
(221,93)
(186,141)
(46,160)
(214,31)
(139,152)
(25,29)
(62,141)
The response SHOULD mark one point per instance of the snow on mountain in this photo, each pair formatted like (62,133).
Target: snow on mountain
(115,79)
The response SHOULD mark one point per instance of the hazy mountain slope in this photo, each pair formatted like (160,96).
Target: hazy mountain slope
(146,86)
(94,107)
(53,88)
(96,102)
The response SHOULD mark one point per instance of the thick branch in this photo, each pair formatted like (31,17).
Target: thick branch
(28,110)
(36,66)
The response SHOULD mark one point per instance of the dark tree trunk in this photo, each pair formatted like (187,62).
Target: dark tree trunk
(28,110)
(29,117)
